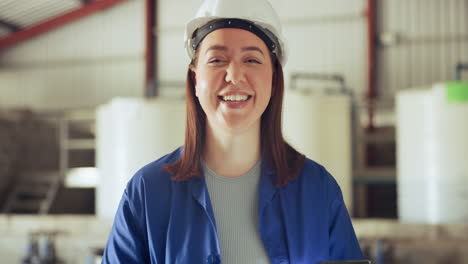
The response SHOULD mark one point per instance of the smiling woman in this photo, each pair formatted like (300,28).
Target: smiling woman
(236,192)
(233,79)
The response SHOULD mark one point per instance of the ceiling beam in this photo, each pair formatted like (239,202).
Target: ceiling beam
(56,22)
(12,27)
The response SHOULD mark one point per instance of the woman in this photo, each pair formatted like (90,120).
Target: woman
(236,191)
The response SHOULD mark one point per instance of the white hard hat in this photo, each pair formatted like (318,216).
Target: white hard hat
(258,16)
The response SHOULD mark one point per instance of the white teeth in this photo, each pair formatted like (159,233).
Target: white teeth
(236,97)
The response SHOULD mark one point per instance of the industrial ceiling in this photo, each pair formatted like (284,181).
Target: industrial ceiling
(21,20)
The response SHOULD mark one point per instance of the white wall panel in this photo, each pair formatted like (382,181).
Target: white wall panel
(312,8)
(173,60)
(329,48)
(81,64)
(173,14)
(433,38)
(71,86)
(10,81)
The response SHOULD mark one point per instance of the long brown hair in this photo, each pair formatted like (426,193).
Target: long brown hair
(276,152)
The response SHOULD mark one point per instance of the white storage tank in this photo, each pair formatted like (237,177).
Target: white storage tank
(432,154)
(131,133)
(319,126)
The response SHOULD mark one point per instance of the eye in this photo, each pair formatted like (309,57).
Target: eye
(253,61)
(215,61)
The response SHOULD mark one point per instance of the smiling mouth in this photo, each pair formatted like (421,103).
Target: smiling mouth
(234,98)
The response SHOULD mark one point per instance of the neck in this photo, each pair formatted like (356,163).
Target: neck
(232,155)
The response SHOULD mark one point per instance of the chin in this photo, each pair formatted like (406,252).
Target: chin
(237,126)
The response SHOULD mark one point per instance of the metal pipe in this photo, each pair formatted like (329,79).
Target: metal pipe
(319,77)
(371,94)
(55,22)
(151,87)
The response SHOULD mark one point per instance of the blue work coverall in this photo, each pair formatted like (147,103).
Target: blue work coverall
(164,221)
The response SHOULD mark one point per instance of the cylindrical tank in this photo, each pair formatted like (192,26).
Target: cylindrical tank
(131,133)
(319,126)
(432,156)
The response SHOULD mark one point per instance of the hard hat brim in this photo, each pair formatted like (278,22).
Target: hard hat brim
(197,23)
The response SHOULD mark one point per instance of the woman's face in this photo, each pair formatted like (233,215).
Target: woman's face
(233,79)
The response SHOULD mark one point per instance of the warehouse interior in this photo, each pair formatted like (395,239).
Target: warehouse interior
(375,90)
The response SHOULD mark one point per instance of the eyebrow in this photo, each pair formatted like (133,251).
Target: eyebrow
(252,48)
(224,48)
(216,47)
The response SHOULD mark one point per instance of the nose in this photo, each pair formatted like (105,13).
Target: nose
(235,73)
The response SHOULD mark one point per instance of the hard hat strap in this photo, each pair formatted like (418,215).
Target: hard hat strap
(267,36)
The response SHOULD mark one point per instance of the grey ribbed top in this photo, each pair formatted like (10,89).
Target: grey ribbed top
(235,206)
